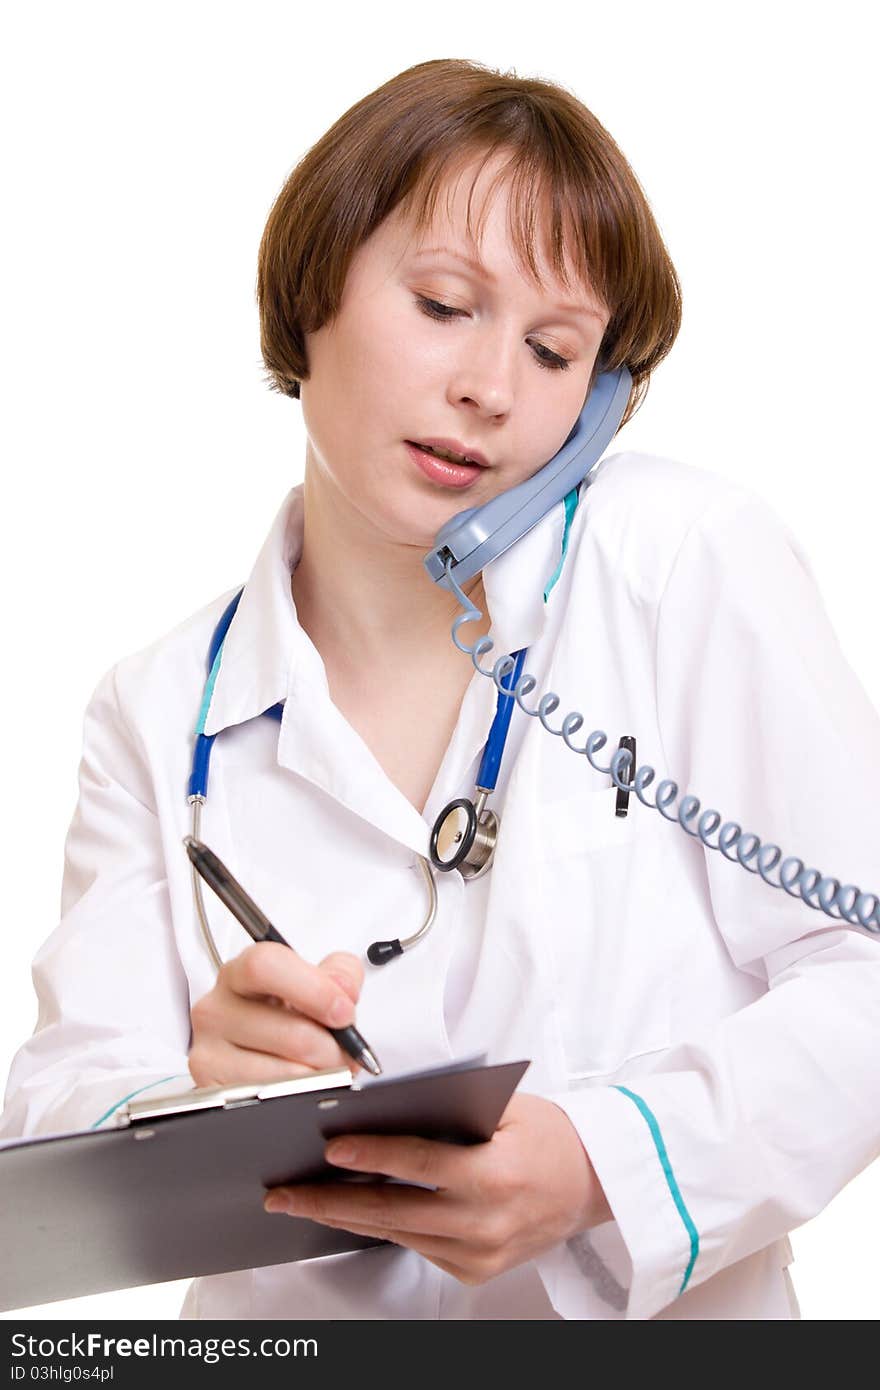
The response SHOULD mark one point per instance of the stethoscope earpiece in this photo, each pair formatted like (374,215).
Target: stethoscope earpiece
(463,838)
(464,833)
(381,952)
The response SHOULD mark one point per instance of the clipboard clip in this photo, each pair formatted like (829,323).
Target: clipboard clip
(138,1112)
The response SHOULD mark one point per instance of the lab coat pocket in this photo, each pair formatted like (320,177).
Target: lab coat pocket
(598,873)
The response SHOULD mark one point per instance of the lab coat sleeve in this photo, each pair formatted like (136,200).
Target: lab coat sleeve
(113,1000)
(748,1126)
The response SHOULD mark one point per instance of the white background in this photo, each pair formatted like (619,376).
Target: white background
(145,458)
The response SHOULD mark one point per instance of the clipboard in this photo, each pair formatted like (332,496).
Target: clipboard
(176,1189)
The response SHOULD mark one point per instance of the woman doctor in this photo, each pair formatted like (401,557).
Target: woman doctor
(440,279)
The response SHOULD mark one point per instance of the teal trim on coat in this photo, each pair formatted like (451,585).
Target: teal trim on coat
(209,691)
(670,1179)
(131,1095)
(570,500)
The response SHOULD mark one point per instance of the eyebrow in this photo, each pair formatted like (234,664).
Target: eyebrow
(479,268)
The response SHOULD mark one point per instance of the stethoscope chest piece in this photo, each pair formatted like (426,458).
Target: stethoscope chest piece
(464,836)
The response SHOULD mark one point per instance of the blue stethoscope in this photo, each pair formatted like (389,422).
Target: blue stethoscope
(464,834)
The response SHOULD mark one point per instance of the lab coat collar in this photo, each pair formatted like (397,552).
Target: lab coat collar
(269,658)
(264,641)
(266,651)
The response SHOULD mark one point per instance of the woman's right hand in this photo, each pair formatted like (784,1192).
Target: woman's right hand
(268,1015)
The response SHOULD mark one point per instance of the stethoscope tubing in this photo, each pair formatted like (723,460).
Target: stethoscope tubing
(490,764)
(197,802)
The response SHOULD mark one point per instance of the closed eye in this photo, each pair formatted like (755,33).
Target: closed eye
(435,310)
(442,313)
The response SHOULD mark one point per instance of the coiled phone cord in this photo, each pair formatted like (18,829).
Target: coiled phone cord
(853,905)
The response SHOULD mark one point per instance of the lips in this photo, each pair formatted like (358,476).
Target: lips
(440,470)
(452,450)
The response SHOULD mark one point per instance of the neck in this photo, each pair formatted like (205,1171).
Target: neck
(381,599)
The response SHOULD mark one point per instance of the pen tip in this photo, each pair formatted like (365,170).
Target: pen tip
(368,1061)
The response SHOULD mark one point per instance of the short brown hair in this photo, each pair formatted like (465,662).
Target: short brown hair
(402,141)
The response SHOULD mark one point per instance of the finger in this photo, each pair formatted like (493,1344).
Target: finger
(394,1237)
(450,1255)
(347,970)
(257,1026)
(270,968)
(263,1025)
(224,1064)
(381,1206)
(428,1162)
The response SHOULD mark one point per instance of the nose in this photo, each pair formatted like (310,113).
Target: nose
(483,376)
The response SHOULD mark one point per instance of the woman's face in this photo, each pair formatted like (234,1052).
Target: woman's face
(440,339)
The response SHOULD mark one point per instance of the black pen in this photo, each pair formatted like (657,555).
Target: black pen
(243,907)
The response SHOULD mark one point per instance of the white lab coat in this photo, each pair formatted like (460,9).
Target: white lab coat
(712,1039)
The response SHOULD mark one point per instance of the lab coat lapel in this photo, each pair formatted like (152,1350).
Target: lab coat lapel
(318,743)
(265,644)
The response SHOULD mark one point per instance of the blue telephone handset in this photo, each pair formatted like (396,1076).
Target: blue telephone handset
(465,832)
(475,537)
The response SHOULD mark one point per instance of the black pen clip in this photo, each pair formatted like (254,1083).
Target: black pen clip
(622,804)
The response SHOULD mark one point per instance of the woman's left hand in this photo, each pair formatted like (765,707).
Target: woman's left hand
(494,1205)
